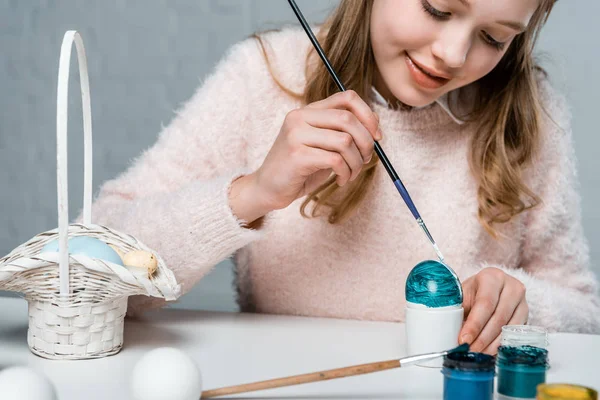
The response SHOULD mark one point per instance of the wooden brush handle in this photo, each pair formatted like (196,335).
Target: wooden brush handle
(305,378)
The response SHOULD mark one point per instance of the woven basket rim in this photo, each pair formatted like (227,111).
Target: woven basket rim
(22,259)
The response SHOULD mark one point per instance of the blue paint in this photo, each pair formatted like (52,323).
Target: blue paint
(468,376)
(520,370)
(432,284)
(89,246)
(406,198)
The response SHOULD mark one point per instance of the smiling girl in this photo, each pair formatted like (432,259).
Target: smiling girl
(268,162)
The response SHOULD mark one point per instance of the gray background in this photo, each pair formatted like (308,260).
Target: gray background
(146,57)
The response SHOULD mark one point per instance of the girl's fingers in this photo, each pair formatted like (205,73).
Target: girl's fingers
(487,295)
(510,298)
(343,121)
(339,142)
(351,101)
(520,317)
(316,159)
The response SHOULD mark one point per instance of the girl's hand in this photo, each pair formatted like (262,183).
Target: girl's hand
(335,134)
(492,299)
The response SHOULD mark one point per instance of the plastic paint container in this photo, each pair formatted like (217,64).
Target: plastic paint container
(557,391)
(521,335)
(468,376)
(520,370)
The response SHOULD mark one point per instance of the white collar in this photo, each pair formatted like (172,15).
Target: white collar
(443,101)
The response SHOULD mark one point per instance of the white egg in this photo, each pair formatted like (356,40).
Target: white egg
(23,383)
(166,373)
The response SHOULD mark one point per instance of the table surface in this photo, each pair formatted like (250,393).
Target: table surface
(235,348)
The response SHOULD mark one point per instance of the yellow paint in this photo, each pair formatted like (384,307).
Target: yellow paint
(565,392)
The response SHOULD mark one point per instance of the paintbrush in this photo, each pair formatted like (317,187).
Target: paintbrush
(382,157)
(332,373)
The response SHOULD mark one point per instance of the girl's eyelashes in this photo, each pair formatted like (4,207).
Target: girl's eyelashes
(444,16)
(493,42)
(434,12)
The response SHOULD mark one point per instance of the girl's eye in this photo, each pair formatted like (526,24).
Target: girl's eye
(493,42)
(434,12)
(443,16)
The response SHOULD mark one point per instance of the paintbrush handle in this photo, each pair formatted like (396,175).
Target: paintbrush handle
(305,378)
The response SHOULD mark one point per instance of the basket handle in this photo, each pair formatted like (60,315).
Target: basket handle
(62,120)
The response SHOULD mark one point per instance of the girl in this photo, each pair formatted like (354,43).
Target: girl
(270,163)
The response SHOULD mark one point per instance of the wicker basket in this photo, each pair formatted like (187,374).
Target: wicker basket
(77,304)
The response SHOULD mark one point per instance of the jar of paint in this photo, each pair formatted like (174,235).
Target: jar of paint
(520,370)
(558,391)
(468,376)
(521,335)
(434,312)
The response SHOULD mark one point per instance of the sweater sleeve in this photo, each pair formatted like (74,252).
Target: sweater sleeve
(174,196)
(561,289)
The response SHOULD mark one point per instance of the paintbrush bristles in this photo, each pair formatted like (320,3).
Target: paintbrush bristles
(463,348)
(305,378)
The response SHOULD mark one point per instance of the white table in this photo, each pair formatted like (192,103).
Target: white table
(233,348)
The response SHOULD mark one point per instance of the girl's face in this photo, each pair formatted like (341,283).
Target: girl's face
(426,48)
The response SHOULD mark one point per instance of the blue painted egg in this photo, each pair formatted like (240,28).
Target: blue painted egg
(432,284)
(89,246)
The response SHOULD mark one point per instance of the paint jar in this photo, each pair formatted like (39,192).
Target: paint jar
(468,376)
(434,312)
(558,391)
(520,370)
(521,335)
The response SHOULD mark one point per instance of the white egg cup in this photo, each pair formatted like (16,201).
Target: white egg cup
(432,329)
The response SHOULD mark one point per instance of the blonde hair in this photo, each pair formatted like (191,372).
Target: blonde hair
(506,118)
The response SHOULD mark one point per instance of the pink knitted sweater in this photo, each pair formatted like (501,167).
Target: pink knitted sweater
(175,199)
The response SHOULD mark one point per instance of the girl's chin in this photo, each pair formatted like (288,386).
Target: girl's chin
(416,99)
(411,96)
